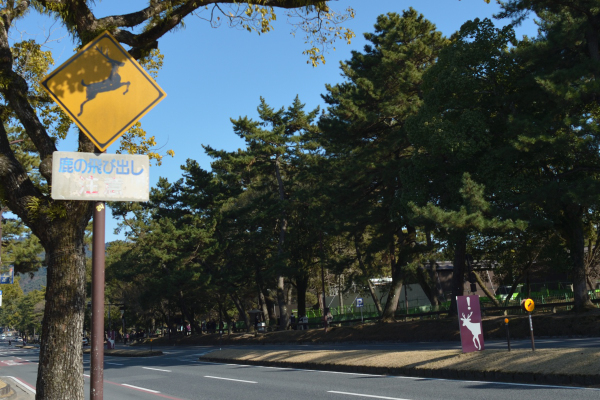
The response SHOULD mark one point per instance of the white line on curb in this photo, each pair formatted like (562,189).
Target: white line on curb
(157,369)
(25,385)
(365,395)
(140,388)
(229,379)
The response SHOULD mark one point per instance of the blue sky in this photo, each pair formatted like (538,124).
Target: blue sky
(214,74)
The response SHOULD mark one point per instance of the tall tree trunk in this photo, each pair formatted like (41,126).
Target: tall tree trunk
(302,287)
(2,210)
(513,288)
(320,301)
(458,271)
(283,310)
(487,292)
(270,303)
(428,286)
(340,294)
(391,304)
(407,242)
(288,298)
(374,297)
(187,313)
(436,278)
(242,311)
(363,268)
(574,229)
(261,296)
(263,306)
(436,293)
(60,370)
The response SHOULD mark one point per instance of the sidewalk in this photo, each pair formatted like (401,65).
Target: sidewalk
(571,367)
(126,351)
(14,390)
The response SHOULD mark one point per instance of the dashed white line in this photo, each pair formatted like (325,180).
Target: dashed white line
(157,369)
(365,395)
(140,388)
(111,363)
(229,379)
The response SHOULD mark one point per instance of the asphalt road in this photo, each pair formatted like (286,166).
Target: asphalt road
(178,375)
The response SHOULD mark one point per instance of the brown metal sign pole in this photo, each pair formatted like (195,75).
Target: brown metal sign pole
(531,329)
(97,352)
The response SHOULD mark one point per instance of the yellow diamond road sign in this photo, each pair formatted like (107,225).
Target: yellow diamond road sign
(103,89)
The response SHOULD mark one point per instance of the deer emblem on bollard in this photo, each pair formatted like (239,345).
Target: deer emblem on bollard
(113,82)
(475,329)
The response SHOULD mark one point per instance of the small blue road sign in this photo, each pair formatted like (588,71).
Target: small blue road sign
(8,278)
(359,302)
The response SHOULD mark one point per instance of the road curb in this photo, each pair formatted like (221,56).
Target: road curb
(129,353)
(441,373)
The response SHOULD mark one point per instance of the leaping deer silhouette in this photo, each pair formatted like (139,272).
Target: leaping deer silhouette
(113,82)
(474,327)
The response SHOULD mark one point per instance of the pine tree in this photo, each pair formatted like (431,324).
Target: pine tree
(560,124)
(268,169)
(366,141)
(460,137)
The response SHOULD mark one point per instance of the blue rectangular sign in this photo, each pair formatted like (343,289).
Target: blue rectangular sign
(8,278)
(359,302)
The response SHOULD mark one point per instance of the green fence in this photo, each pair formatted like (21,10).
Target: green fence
(352,313)
(542,297)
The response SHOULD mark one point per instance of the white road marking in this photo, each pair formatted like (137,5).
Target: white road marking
(106,362)
(229,379)
(156,369)
(86,375)
(140,388)
(348,373)
(365,395)
(25,385)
